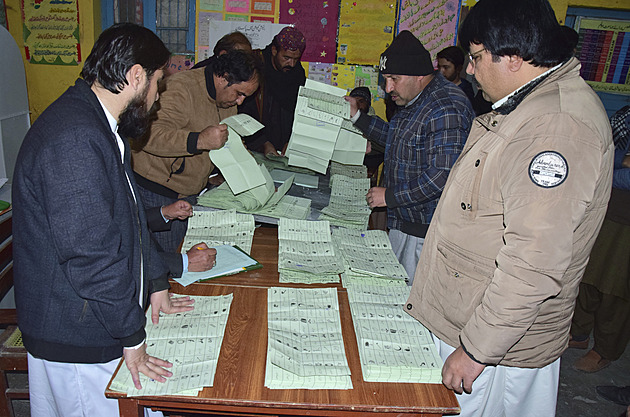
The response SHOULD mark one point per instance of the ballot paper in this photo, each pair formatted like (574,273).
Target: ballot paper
(305,348)
(393,346)
(367,256)
(191,341)
(264,200)
(215,228)
(318,117)
(347,206)
(240,170)
(229,260)
(304,180)
(350,146)
(352,171)
(306,253)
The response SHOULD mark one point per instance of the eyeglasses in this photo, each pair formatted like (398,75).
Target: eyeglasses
(474,56)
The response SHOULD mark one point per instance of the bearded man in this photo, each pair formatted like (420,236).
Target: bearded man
(84,264)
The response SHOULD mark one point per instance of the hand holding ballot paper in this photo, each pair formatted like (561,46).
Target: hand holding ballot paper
(229,260)
(240,170)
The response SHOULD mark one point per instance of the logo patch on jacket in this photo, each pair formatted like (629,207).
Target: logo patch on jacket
(548,169)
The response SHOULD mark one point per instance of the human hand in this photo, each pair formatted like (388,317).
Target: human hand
(354,106)
(376,197)
(169,304)
(268,148)
(368,147)
(459,371)
(181,209)
(201,258)
(137,360)
(212,137)
(626,161)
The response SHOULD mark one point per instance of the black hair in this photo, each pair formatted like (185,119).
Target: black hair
(119,48)
(525,28)
(570,35)
(238,66)
(453,54)
(229,42)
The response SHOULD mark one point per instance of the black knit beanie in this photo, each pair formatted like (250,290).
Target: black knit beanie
(406,56)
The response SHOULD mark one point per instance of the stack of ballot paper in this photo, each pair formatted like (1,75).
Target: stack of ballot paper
(352,171)
(306,253)
(305,347)
(321,129)
(393,346)
(240,170)
(191,341)
(272,162)
(368,257)
(263,200)
(224,227)
(348,206)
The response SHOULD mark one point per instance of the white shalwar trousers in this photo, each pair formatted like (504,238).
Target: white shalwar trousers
(407,249)
(506,391)
(58,389)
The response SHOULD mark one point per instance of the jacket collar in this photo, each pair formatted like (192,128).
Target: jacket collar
(514,99)
(209,73)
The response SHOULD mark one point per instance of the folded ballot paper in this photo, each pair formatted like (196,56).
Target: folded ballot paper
(263,200)
(322,131)
(240,170)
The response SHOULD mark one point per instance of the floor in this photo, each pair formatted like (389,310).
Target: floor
(576,397)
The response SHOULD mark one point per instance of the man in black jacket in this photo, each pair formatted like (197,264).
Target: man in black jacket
(274,103)
(84,264)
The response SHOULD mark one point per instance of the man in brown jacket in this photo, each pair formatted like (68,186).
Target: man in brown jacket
(174,161)
(511,236)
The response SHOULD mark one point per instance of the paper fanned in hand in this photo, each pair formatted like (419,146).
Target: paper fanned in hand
(240,170)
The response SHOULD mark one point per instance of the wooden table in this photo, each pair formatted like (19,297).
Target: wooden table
(239,381)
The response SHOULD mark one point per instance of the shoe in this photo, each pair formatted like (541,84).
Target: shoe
(578,344)
(591,362)
(618,395)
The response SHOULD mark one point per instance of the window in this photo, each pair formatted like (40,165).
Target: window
(172,20)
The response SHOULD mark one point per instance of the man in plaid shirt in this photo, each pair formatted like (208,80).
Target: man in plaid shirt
(422,142)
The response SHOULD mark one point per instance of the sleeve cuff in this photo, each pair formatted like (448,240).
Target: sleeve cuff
(135,339)
(136,347)
(390,200)
(191,145)
(184,263)
(469,354)
(159,284)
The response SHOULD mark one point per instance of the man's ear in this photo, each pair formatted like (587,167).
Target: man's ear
(274,50)
(136,77)
(514,62)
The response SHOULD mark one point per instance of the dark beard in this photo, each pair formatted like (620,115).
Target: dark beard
(135,120)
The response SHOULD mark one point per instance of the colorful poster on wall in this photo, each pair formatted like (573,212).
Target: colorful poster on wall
(366,28)
(343,76)
(604,51)
(237,6)
(51,31)
(250,11)
(320,72)
(317,20)
(434,22)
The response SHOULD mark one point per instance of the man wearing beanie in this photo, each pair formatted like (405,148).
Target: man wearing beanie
(422,141)
(510,239)
(274,103)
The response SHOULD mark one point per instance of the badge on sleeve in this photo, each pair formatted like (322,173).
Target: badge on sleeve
(548,169)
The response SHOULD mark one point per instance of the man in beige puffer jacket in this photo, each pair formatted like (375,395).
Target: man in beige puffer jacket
(511,236)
